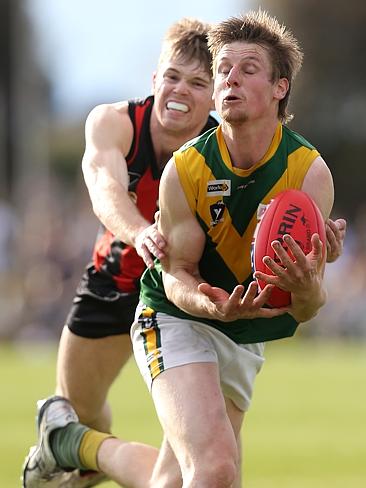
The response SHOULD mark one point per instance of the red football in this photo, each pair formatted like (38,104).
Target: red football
(291,212)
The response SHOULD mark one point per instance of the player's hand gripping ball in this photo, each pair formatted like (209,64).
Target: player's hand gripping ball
(291,212)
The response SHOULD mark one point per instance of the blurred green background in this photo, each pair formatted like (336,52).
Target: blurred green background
(307,425)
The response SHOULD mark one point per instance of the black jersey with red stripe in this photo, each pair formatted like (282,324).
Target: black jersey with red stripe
(112,258)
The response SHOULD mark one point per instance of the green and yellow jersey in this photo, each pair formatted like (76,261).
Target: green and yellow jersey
(225,199)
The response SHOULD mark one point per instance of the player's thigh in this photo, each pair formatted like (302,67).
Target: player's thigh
(87,367)
(192,410)
(179,363)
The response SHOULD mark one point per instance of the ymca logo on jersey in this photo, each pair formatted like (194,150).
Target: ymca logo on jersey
(218,188)
(217,212)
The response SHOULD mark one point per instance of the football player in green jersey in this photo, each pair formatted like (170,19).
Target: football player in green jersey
(198,338)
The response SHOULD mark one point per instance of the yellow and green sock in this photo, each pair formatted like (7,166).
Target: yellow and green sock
(76,446)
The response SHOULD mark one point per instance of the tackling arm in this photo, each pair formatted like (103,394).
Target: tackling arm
(108,136)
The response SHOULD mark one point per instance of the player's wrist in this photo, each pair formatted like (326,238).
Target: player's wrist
(307,305)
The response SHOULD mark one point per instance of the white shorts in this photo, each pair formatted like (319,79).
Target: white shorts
(161,341)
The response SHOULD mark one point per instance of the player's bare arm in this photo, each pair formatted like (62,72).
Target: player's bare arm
(318,184)
(183,284)
(108,135)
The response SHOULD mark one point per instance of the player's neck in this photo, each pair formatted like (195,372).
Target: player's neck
(248,143)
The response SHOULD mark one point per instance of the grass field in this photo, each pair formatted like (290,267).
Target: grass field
(306,428)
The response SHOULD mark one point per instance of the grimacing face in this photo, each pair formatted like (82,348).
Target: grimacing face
(244,89)
(183,94)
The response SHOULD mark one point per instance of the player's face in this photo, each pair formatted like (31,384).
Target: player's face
(244,89)
(183,95)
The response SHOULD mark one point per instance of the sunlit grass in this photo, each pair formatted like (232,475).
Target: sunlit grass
(306,427)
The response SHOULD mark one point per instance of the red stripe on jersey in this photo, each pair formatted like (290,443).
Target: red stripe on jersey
(139,118)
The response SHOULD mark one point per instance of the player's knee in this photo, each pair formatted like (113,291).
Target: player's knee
(221,462)
(218,474)
(224,474)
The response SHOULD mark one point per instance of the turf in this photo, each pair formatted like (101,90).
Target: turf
(306,428)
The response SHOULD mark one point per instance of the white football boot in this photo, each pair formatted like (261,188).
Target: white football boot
(40,466)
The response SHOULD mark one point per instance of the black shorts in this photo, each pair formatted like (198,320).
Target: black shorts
(99,309)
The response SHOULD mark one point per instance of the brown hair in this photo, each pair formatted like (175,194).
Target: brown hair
(187,39)
(262,29)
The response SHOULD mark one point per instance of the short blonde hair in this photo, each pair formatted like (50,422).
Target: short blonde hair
(187,40)
(262,29)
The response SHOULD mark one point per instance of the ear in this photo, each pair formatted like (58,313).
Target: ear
(281,88)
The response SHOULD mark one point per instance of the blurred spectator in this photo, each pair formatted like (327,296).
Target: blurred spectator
(55,238)
(8,231)
(10,287)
